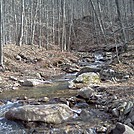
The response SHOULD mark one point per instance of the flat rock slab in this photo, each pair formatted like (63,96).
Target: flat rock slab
(51,113)
(33,82)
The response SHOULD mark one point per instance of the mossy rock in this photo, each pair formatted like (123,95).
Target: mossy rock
(88,78)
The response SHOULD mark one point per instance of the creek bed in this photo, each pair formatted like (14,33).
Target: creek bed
(58,89)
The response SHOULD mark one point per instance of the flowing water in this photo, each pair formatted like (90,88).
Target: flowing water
(58,88)
(6,126)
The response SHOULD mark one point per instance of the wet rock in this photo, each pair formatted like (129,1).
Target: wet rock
(110,74)
(132,119)
(45,99)
(58,100)
(52,113)
(126,77)
(131,113)
(128,121)
(33,82)
(85,114)
(72,101)
(88,69)
(71,130)
(75,100)
(38,75)
(1,90)
(16,84)
(13,78)
(82,105)
(18,57)
(115,112)
(122,129)
(1,103)
(101,129)
(25,98)
(1,78)
(85,92)
(124,111)
(15,88)
(122,106)
(128,107)
(9,105)
(119,108)
(115,97)
(21,81)
(71,84)
(70,68)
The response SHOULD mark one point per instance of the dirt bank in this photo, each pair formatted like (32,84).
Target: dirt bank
(31,62)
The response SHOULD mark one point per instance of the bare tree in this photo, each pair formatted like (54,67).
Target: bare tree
(46,22)
(21,32)
(99,20)
(1,43)
(123,37)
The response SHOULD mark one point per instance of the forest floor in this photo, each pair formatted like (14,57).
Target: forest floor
(31,62)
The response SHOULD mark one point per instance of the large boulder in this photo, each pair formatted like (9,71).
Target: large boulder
(122,129)
(85,80)
(88,78)
(51,113)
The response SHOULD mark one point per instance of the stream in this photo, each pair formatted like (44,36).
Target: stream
(6,126)
(55,90)
(58,89)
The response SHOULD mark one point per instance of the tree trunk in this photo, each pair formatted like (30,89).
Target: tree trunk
(124,39)
(20,37)
(1,43)
(99,21)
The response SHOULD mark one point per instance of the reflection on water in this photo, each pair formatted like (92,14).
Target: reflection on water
(59,89)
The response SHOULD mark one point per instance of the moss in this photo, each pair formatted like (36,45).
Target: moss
(91,79)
